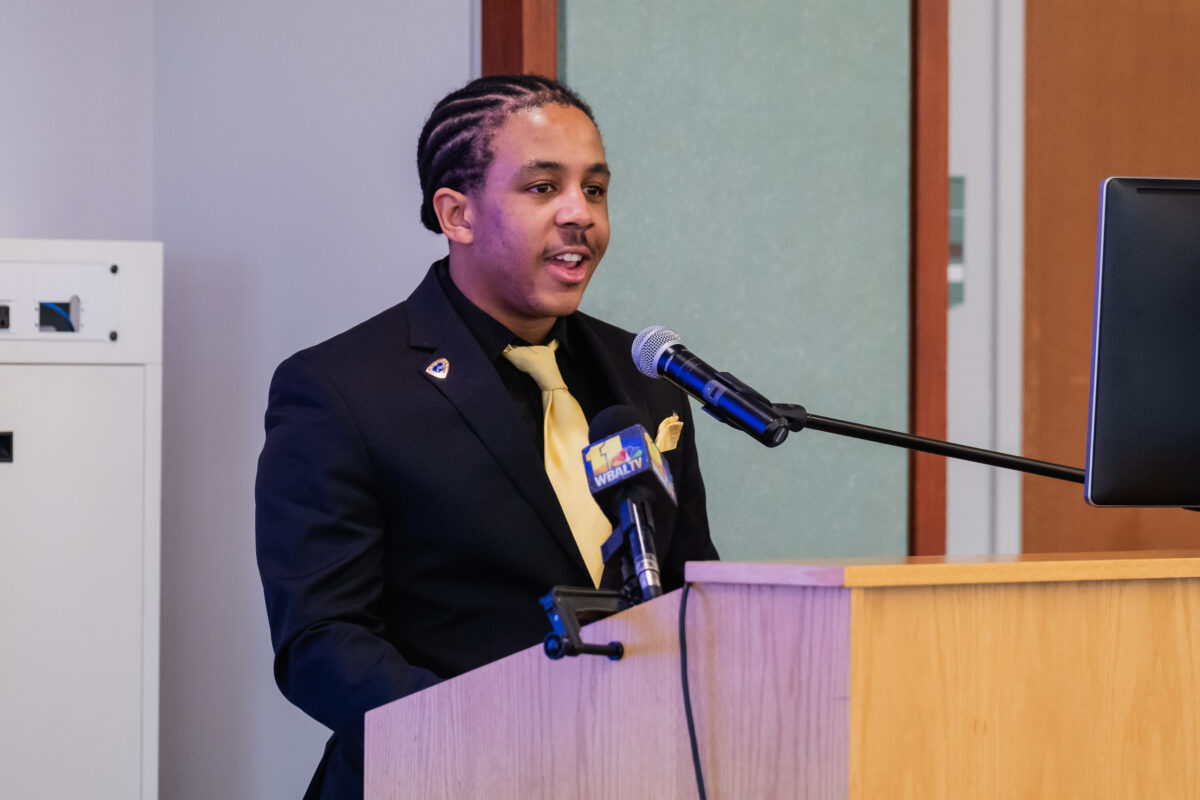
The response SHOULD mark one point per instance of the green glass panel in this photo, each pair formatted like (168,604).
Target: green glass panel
(760,207)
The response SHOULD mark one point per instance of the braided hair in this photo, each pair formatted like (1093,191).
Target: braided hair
(454,150)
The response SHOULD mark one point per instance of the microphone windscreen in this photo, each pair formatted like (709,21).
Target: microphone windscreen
(649,345)
(612,421)
(622,454)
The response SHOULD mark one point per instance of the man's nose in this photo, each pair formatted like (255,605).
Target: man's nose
(574,209)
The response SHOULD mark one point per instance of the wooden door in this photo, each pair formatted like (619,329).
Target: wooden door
(1112,88)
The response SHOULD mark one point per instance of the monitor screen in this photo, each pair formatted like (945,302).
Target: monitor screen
(1144,411)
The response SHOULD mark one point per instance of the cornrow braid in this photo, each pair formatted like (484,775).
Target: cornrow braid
(454,150)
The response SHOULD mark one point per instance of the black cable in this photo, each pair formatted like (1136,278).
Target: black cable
(687,693)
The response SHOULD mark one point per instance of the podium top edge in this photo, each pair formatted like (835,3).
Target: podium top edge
(947,570)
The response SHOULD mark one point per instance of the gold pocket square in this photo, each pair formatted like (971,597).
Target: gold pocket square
(668,433)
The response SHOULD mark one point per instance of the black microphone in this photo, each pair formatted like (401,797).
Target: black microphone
(659,353)
(626,473)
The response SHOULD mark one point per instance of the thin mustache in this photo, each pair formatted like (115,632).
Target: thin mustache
(571,239)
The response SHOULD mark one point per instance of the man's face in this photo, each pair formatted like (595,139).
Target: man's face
(539,223)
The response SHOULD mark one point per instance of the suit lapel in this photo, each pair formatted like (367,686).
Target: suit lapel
(471,384)
(616,374)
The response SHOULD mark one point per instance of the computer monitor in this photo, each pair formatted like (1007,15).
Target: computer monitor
(1144,412)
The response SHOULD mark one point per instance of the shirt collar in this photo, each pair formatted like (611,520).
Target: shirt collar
(491,334)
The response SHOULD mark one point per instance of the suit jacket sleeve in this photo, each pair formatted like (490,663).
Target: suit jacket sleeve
(320,534)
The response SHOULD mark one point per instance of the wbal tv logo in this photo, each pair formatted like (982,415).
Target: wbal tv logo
(615,458)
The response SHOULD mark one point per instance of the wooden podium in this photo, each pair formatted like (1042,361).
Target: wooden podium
(1003,677)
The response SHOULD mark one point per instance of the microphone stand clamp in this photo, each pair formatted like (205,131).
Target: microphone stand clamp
(567,606)
(570,606)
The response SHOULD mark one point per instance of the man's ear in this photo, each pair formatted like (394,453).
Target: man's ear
(454,214)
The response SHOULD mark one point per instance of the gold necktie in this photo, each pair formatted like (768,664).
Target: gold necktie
(565,433)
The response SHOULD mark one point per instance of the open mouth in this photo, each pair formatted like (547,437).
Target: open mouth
(568,267)
(567,260)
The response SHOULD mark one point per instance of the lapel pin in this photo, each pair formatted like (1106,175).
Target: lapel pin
(438,369)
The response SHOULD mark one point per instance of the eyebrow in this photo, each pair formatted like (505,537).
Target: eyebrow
(599,167)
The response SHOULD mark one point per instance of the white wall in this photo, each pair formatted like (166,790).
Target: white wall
(76,113)
(286,195)
(985,337)
(270,145)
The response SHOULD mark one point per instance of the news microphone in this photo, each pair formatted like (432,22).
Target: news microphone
(626,472)
(659,353)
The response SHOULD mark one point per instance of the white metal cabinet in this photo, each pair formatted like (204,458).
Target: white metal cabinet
(79,521)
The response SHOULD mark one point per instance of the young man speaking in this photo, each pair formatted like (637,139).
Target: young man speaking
(421,485)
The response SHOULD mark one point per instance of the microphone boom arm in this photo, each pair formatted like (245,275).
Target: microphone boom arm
(658,352)
(798,419)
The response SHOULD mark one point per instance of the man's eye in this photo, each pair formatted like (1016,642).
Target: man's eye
(541,188)
(595,190)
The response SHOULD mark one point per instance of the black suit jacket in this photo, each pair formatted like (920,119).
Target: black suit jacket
(405,524)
